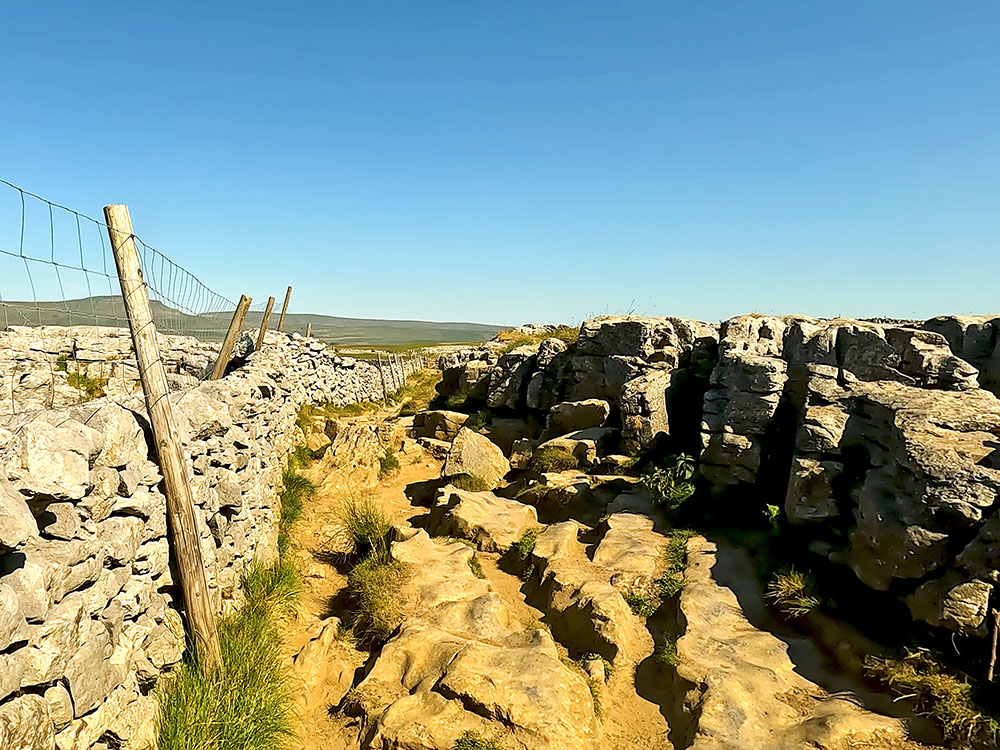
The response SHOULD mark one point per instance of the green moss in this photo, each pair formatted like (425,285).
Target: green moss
(470,483)
(471,740)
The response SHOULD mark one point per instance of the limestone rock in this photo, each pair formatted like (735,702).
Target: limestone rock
(581,448)
(17,525)
(472,453)
(25,724)
(954,603)
(571,416)
(741,676)
(439,425)
(492,523)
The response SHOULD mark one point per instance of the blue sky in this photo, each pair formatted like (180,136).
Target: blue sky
(529,161)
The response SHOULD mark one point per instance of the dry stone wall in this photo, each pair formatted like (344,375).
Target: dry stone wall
(877,439)
(89,609)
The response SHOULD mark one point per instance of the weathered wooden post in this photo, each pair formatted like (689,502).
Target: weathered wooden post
(263,323)
(993,651)
(230,341)
(180,501)
(381,372)
(284,309)
(309,329)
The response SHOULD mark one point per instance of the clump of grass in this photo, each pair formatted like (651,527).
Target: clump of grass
(388,464)
(364,527)
(773,515)
(471,740)
(275,587)
(250,706)
(300,457)
(552,458)
(417,393)
(470,483)
(374,585)
(672,482)
(295,490)
(675,560)
(91,388)
(641,603)
(524,546)
(567,334)
(789,592)
(666,653)
(62,362)
(945,696)
(480,420)
(476,567)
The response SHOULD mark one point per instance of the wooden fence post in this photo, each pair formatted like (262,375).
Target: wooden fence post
(230,341)
(381,372)
(263,323)
(993,649)
(180,501)
(284,309)
(309,329)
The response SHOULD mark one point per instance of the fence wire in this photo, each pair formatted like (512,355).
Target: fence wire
(59,282)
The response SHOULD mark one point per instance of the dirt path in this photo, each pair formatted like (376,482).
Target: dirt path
(629,722)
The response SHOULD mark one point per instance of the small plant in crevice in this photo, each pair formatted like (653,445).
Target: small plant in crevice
(471,740)
(642,603)
(480,420)
(609,668)
(772,513)
(552,458)
(363,527)
(666,653)
(945,696)
(470,483)
(62,362)
(388,464)
(524,546)
(674,561)
(476,567)
(672,482)
(374,585)
(789,592)
(300,457)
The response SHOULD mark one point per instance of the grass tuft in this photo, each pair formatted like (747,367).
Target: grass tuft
(388,464)
(789,592)
(946,697)
(374,585)
(675,560)
(364,527)
(552,458)
(567,334)
(470,483)
(471,740)
(524,546)
(250,707)
(666,653)
(641,603)
(476,567)
(418,392)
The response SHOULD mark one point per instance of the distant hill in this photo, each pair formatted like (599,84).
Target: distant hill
(110,311)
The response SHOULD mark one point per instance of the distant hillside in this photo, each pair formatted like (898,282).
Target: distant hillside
(110,311)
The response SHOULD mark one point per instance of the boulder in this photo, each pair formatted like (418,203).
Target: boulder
(492,523)
(17,525)
(580,448)
(438,425)
(572,416)
(472,453)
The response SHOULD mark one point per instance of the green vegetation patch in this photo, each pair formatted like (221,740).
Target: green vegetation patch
(364,527)
(666,653)
(567,334)
(388,464)
(417,393)
(471,740)
(374,585)
(470,483)
(295,489)
(552,458)
(672,482)
(675,560)
(789,592)
(945,696)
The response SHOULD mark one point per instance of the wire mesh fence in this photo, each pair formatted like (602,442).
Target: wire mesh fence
(64,332)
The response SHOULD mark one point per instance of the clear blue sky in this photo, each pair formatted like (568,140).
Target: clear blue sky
(545,161)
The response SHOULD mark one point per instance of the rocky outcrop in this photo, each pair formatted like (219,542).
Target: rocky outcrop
(474,454)
(744,691)
(492,523)
(460,663)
